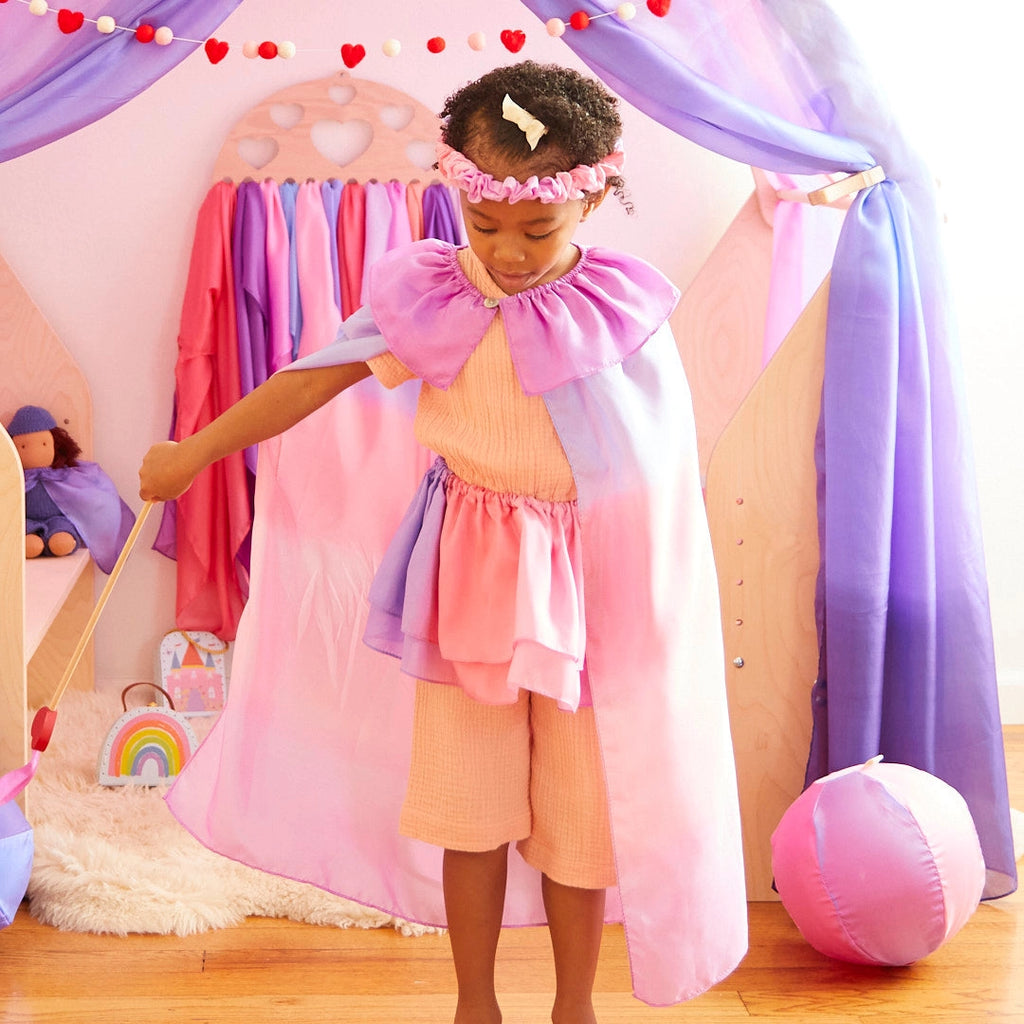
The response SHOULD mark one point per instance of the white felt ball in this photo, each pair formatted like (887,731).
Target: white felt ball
(391,47)
(105,24)
(250,48)
(626,11)
(555,27)
(477,41)
(163,36)
(38,7)
(286,50)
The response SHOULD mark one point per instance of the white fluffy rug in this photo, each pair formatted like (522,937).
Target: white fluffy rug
(114,860)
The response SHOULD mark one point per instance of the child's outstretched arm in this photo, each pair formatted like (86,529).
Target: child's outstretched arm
(169,467)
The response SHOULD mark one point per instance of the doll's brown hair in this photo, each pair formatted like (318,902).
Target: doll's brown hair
(65,449)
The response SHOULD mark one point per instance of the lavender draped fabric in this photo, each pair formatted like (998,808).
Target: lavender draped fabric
(52,84)
(907,660)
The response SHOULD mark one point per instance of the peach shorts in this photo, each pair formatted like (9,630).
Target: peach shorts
(483,775)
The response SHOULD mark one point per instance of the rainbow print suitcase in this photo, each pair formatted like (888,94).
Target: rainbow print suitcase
(146,746)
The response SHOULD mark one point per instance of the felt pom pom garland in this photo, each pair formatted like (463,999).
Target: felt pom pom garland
(513,39)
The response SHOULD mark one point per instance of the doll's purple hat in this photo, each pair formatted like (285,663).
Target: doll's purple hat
(30,419)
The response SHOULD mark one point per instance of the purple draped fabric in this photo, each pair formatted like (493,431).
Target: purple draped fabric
(907,659)
(52,84)
(249,256)
(439,217)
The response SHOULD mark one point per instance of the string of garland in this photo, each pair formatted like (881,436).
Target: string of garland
(69,22)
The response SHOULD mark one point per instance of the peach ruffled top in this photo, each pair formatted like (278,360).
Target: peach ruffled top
(469,422)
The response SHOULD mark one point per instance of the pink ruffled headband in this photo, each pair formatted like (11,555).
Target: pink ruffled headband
(457,169)
(581,181)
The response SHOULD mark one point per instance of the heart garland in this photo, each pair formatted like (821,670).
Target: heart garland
(216,50)
(69,21)
(352,54)
(513,39)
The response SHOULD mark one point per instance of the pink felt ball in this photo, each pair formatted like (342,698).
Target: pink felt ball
(555,27)
(878,864)
(163,36)
(477,41)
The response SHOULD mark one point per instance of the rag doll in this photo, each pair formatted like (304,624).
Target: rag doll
(69,503)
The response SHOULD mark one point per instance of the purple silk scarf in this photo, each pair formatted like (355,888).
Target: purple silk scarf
(52,84)
(907,658)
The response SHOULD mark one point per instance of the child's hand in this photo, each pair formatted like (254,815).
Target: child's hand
(166,472)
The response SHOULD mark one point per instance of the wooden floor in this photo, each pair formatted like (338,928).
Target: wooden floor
(284,973)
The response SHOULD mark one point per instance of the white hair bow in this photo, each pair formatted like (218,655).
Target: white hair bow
(527,123)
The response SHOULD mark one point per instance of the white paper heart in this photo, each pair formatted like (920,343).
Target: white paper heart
(257,151)
(422,154)
(341,142)
(396,117)
(342,94)
(286,115)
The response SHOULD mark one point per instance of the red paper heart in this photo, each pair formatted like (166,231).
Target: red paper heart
(216,50)
(513,39)
(659,7)
(69,21)
(352,54)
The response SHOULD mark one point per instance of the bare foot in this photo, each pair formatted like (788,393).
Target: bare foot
(574,1015)
(466,1014)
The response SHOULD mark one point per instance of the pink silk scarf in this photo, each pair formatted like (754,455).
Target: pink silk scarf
(211,592)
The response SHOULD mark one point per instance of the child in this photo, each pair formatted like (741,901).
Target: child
(550,590)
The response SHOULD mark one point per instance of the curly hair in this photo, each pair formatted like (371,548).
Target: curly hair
(65,449)
(581,116)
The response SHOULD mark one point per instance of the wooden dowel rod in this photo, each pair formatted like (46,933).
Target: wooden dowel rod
(86,636)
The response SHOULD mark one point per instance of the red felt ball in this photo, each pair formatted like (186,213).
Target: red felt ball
(435,44)
(659,7)
(579,20)
(145,33)
(268,50)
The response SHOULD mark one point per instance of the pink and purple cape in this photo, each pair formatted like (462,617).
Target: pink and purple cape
(304,773)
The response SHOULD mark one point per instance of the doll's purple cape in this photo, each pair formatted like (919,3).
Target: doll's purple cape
(88,497)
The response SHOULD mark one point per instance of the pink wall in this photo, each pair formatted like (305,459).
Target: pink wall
(98,226)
